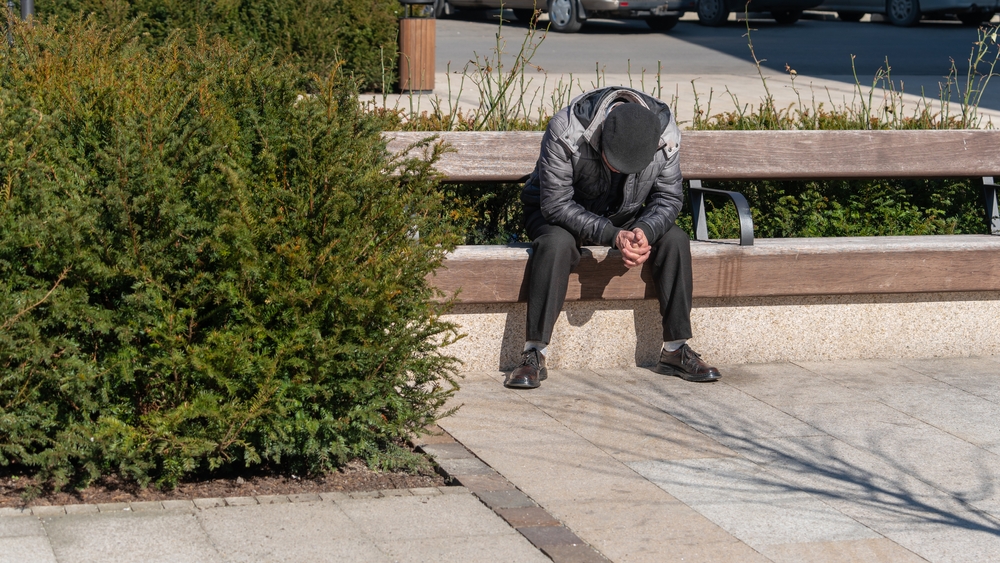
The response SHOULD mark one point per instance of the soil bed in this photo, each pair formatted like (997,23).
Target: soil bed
(354,477)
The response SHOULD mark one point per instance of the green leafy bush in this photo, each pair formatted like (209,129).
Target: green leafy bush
(316,33)
(200,268)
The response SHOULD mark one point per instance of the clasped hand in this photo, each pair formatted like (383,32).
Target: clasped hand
(634,247)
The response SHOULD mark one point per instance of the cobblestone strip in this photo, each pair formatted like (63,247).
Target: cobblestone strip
(523,514)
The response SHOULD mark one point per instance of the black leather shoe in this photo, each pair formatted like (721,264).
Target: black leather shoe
(530,373)
(686,364)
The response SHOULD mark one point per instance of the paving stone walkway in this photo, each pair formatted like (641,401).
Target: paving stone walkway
(415,525)
(808,462)
(794,462)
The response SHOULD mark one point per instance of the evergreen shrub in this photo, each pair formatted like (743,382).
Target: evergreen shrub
(202,269)
(362,34)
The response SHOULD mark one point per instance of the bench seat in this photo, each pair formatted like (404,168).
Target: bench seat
(772,267)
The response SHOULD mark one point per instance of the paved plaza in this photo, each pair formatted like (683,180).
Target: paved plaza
(891,461)
(827,462)
(426,525)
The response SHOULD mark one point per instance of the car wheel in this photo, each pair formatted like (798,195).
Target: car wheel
(975,18)
(903,13)
(786,17)
(662,23)
(712,13)
(563,16)
(525,15)
(442,8)
(852,17)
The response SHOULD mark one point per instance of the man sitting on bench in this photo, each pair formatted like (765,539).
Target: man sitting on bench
(608,175)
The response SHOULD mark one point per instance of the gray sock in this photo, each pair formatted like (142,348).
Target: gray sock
(542,347)
(673,345)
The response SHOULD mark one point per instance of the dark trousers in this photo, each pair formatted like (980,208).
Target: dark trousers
(555,254)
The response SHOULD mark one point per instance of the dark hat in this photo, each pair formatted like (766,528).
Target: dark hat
(630,137)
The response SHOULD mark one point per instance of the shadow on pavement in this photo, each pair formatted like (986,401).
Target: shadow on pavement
(868,474)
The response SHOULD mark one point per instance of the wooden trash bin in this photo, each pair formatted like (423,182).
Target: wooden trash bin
(417,36)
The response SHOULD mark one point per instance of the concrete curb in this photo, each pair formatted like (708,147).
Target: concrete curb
(523,514)
(213,503)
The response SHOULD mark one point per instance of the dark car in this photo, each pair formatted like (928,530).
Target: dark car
(714,13)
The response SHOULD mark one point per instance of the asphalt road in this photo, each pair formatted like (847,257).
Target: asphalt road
(812,47)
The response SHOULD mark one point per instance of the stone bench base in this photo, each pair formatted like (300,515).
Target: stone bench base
(596,334)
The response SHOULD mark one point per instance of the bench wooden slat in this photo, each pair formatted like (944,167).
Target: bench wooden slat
(736,155)
(774,267)
(487,156)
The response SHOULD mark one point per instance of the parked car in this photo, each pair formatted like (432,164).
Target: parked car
(568,16)
(908,12)
(714,13)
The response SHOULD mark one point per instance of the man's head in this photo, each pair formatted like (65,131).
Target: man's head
(630,137)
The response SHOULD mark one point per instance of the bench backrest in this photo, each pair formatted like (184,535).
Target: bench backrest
(747,155)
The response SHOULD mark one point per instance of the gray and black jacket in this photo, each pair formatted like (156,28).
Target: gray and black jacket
(572,186)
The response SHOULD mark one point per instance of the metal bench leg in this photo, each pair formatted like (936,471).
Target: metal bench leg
(699,218)
(992,210)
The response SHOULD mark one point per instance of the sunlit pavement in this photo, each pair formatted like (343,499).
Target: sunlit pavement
(835,461)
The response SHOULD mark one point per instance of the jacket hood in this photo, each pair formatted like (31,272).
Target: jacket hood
(590,109)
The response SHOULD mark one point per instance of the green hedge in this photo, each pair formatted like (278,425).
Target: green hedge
(202,269)
(850,208)
(315,33)
(781,209)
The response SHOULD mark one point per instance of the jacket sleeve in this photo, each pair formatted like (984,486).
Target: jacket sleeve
(663,204)
(555,184)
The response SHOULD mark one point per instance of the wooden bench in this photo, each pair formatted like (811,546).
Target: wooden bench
(762,267)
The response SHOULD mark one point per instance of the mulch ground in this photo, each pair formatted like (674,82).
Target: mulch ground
(19,491)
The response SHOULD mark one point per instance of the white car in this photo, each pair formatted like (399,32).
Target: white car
(908,12)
